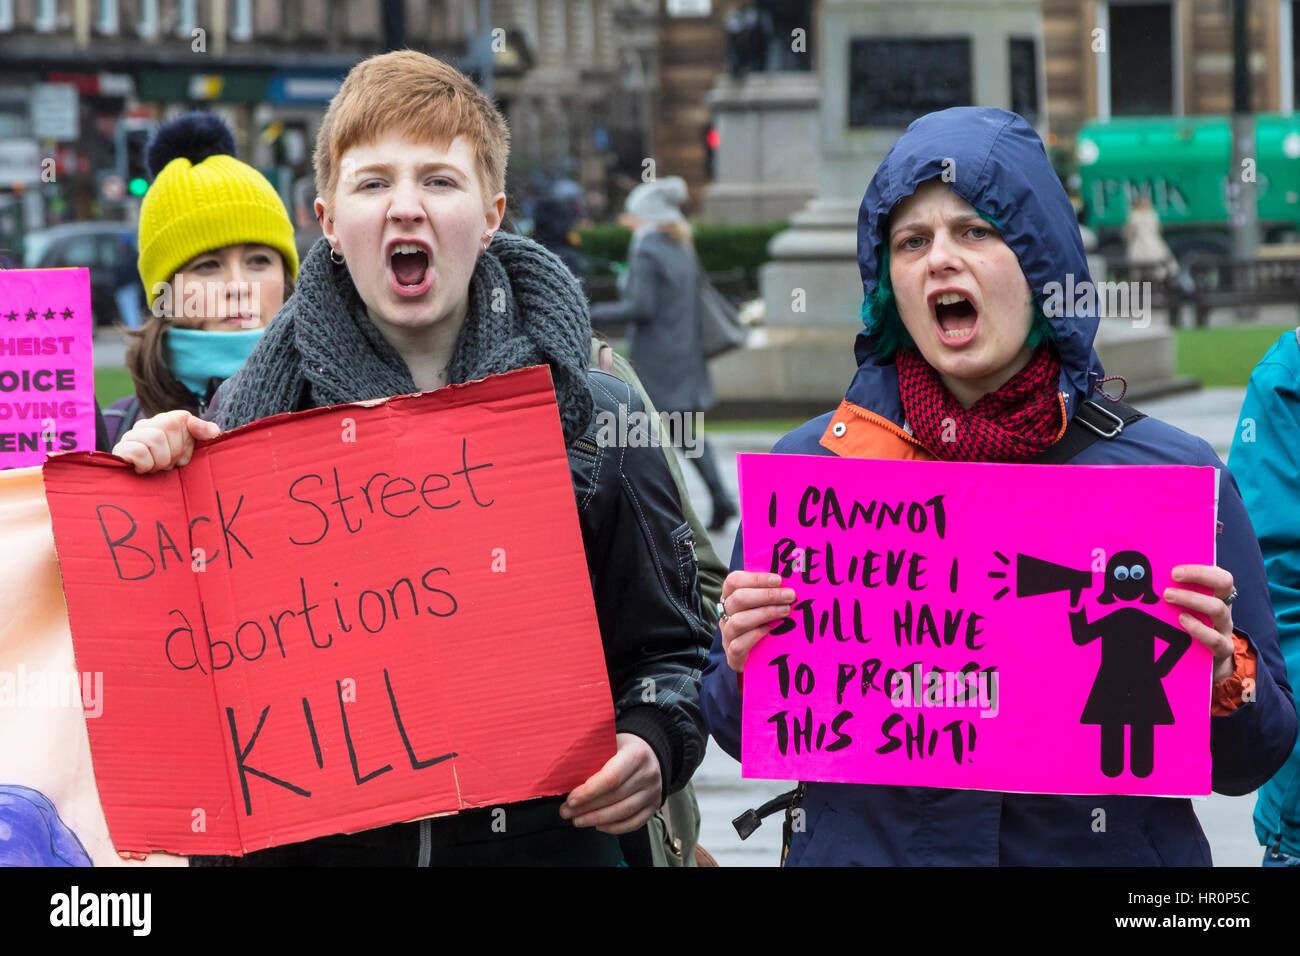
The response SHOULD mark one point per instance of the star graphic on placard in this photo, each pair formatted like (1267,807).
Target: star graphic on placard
(13,316)
(49,315)
(67,313)
(31,315)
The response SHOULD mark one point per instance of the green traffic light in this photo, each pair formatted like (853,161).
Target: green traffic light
(138,186)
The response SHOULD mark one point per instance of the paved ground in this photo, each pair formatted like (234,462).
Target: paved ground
(1210,414)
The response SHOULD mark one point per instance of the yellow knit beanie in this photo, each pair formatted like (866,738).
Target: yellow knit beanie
(203,198)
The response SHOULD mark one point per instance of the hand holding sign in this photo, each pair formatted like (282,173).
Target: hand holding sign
(164,441)
(1215,606)
(751,602)
(623,794)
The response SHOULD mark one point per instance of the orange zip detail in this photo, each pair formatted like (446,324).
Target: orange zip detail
(1065,423)
(884,423)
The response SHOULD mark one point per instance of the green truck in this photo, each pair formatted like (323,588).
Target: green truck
(1182,165)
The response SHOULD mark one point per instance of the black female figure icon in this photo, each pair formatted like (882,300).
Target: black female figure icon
(1128,691)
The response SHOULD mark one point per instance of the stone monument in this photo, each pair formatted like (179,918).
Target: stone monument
(768,153)
(883,63)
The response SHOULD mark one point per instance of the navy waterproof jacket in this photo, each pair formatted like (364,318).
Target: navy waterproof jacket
(995,161)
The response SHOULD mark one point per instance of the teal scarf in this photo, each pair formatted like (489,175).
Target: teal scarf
(198,357)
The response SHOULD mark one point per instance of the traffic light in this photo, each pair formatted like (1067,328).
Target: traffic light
(132,141)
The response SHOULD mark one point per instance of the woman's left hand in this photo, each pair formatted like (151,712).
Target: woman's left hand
(1218,638)
(623,794)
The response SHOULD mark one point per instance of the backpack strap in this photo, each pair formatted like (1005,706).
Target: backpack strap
(118,421)
(1092,422)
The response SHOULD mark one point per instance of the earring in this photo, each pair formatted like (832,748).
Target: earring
(487,240)
(335,256)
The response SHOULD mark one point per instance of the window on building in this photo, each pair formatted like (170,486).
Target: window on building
(241,25)
(6,15)
(106,17)
(554,27)
(1140,48)
(188,20)
(688,8)
(526,14)
(1024,77)
(47,16)
(893,81)
(147,26)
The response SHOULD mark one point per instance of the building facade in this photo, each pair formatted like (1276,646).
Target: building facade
(1112,58)
(591,88)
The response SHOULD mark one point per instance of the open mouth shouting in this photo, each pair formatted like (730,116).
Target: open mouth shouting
(409,267)
(955,314)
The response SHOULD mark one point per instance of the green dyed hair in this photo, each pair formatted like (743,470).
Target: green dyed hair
(880,312)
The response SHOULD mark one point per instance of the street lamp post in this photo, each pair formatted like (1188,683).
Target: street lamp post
(1242,193)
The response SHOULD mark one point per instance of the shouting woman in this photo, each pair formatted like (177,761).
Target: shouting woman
(963,231)
(414,286)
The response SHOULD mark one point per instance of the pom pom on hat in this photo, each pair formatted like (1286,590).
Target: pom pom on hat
(203,198)
(195,136)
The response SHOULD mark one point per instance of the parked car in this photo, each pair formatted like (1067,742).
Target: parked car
(107,249)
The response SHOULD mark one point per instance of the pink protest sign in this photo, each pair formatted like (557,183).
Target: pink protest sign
(47,380)
(978,626)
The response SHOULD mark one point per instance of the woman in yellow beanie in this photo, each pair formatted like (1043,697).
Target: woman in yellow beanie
(217,260)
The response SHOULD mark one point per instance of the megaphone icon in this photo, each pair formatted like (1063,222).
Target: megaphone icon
(1036,576)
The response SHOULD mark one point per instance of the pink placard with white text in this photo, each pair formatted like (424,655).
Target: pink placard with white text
(47,380)
(978,626)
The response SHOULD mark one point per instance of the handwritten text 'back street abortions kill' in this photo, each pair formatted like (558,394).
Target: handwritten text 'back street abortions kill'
(919,651)
(333,580)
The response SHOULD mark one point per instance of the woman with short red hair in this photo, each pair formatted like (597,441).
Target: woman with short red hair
(414,286)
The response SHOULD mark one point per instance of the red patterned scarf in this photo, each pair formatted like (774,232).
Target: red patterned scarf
(1020,420)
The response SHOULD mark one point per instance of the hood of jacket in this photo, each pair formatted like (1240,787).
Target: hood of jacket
(995,161)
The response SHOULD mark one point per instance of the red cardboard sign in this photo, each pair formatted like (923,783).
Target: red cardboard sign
(336,620)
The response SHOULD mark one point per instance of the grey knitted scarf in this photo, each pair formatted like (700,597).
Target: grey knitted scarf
(323,350)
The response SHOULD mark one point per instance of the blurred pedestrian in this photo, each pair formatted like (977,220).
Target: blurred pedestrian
(1143,243)
(126,282)
(660,306)
(553,222)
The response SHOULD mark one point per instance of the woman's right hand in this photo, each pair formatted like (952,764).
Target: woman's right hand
(753,601)
(164,441)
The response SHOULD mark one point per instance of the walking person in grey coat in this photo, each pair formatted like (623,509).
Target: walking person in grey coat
(660,306)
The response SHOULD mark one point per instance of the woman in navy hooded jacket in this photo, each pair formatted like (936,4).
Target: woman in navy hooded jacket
(961,231)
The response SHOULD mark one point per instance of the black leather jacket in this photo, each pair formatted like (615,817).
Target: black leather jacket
(644,579)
